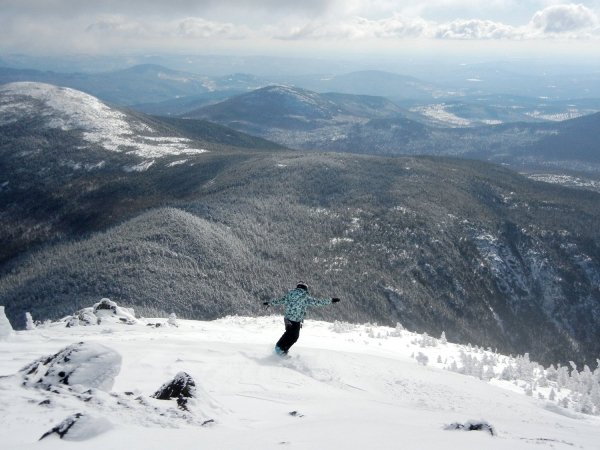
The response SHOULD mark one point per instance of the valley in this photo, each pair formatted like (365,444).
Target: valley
(429,241)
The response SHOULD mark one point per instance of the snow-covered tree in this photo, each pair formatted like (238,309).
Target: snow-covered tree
(29,323)
(443,339)
(489,373)
(562,376)
(5,326)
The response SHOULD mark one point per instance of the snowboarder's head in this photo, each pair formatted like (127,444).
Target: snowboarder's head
(302,285)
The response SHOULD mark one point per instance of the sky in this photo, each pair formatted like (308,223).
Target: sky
(45,27)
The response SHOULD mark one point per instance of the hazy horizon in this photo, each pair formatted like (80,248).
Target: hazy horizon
(378,34)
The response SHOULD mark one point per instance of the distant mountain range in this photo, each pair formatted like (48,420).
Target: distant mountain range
(374,83)
(469,96)
(361,124)
(139,84)
(106,202)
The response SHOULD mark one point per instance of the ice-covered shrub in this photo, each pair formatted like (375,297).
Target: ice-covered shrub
(422,359)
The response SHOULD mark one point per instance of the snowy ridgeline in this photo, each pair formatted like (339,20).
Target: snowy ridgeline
(567,387)
(68,109)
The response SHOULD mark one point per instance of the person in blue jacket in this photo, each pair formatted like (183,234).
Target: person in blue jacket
(296,302)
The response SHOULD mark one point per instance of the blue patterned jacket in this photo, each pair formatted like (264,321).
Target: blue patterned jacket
(296,302)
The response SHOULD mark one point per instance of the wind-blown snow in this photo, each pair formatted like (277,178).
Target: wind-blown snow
(345,386)
(69,109)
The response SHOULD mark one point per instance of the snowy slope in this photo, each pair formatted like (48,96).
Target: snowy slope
(345,386)
(68,109)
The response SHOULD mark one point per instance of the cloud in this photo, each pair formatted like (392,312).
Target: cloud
(118,26)
(399,27)
(568,20)
(564,19)
(476,29)
(199,28)
(188,28)
(395,27)
(149,25)
(162,8)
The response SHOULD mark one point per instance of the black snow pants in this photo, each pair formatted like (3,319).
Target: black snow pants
(289,338)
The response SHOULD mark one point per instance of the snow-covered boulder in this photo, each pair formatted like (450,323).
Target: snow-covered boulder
(79,427)
(6,328)
(105,311)
(87,364)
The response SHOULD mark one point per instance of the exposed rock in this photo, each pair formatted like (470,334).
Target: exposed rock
(79,427)
(88,364)
(182,385)
(471,426)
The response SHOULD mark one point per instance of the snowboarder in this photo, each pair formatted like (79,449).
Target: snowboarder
(296,302)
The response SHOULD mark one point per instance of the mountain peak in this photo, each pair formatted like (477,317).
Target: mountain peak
(71,110)
(76,109)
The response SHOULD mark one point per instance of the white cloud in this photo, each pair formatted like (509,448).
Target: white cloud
(564,19)
(77,25)
(568,20)
(395,27)
(476,29)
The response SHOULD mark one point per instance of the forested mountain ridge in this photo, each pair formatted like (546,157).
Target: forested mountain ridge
(438,244)
(71,164)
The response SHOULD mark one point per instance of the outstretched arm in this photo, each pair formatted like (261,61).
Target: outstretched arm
(278,301)
(318,302)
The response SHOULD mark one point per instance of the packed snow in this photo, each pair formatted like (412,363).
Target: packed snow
(344,386)
(69,109)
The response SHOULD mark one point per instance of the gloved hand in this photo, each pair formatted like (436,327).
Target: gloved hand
(335,300)
(266,303)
